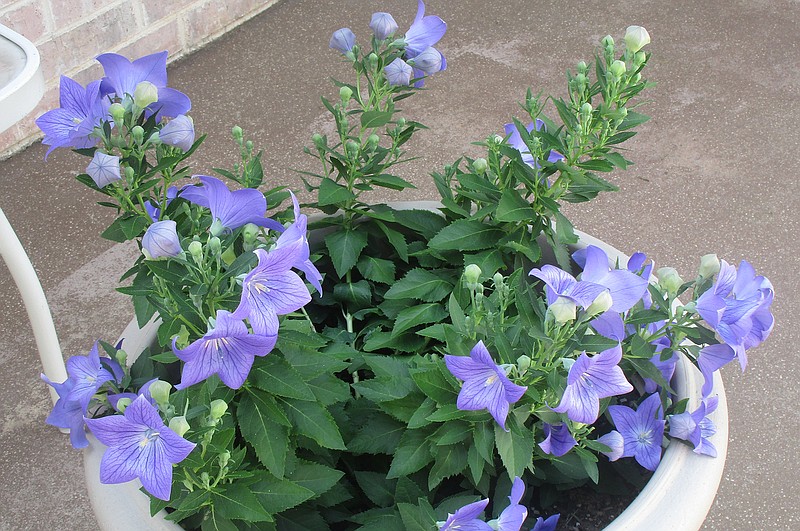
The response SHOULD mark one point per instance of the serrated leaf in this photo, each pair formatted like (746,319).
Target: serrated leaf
(412,454)
(371,119)
(381,390)
(379,435)
(239,502)
(376,269)
(328,389)
(313,420)
(418,315)
(420,416)
(315,477)
(269,438)
(395,238)
(514,446)
(418,517)
(420,284)
(447,412)
(514,208)
(451,433)
(466,235)
(332,193)
(376,487)
(425,222)
(277,495)
(345,247)
(450,460)
(433,384)
(274,374)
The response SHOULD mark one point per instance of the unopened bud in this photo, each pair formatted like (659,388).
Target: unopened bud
(129,174)
(318,140)
(636,38)
(498,279)
(345,93)
(218,409)
(586,110)
(155,139)
(144,94)
(351,148)
(215,245)
(373,140)
(122,404)
(582,68)
(472,273)
(563,310)
(224,457)
(237,133)
(401,122)
(601,304)
(607,42)
(159,390)
(196,250)
(523,363)
(669,279)
(250,233)
(138,134)
(179,425)
(480,165)
(617,68)
(709,266)
(117,112)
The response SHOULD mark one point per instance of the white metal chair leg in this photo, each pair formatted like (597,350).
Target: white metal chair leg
(35,304)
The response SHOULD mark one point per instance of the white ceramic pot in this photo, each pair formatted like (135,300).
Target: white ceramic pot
(677,497)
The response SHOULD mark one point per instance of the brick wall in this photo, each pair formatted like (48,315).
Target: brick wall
(70,33)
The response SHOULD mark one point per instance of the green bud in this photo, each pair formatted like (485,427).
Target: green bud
(401,122)
(196,250)
(250,232)
(636,38)
(523,363)
(639,59)
(580,81)
(129,174)
(205,479)
(138,134)
(563,310)
(249,146)
(155,139)
(498,280)
(122,404)
(480,165)
(218,409)
(215,244)
(237,133)
(224,457)
(372,60)
(607,42)
(586,110)
(179,425)
(345,93)
(617,69)
(582,68)
(159,390)
(669,279)
(600,304)
(373,140)
(636,78)
(472,273)
(117,112)
(709,266)
(318,140)
(351,148)
(144,94)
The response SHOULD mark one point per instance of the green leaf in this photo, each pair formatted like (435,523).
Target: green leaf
(433,383)
(397,240)
(354,295)
(376,269)
(425,222)
(376,487)
(332,193)
(328,389)
(313,420)
(274,374)
(418,315)
(263,425)
(632,120)
(372,119)
(418,517)
(420,284)
(412,454)
(420,416)
(216,523)
(513,208)
(239,502)
(379,435)
(451,433)
(514,446)
(490,261)
(315,477)
(466,235)
(383,390)
(483,436)
(447,412)
(450,460)
(345,247)
(617,160)
(277,495)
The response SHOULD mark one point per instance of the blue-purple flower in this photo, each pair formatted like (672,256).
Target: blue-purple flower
(548,524)
(696,427)
(738,307)
(615,443)
(161,240)
(486,385)
(466,518)
(67,414)
(421,36)
(626,288)
(71,124)
(122,76)
(589,380)
(297,234)
(343,40)
(382,25)
(398,73)
(179,132)
(515,141)
(139,446)
(560,284)
(557,439)
(272,289)
(88,374)
(514,515)
(228,349)
(428,61)
(229,209)
(642,430)
(103,169)
(711,359)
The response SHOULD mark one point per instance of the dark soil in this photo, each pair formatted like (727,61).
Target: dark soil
(584,509)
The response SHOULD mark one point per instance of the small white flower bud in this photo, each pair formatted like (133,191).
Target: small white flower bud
(472,273)
(636,38)
(669,279)
(601,304)
(709,266)
(563,310)
(617,69)
(179,425)
(218,409)
(480,165)
(144,94)
(159,390)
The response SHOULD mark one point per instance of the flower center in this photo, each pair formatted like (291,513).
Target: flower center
(147,437)
(644,437)
(490,380)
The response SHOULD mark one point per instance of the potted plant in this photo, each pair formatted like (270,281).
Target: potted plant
(381,365)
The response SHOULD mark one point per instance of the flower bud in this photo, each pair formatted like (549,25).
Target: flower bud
(586,110)
(398,73)
(215,245)
(563,310)
(639,58)
(159,390)
(138,134)
(523,363)
(123,403)
(498,280)
(179,425)
(343,40)
(196,250)
(607,42)
(103,169)
(161,240)
(472,273)
(345,93)
(237,133)
(117,112)
(318,140)
(601,304)
(636,38)
(372,61)
(218,408)
(155,139)
(429,60)
(250,232)
(669,279)
(480,165)
(382,25)
(179,132)
(144,94)
(129,174)
(582,68)
(224,458)
(351,148)
(709,266)
(617,68)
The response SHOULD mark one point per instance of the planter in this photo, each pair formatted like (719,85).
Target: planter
(677,497)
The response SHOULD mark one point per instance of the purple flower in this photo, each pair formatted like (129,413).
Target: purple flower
(122,76)
(67,414)
(615,443)
(515,141)
(153,210)
(642,430)
(514,515)
(737,307)
(229,209)
(428,61)
(297,234)
(179,132)
(637,265)
(466,518)
(589,380)
(696,427)
(144,391)
(711,359)
(667,368)
(382,25)
(486,385)
(228,350)
(422,35)
(139,446)
(161,240)
(557,439)
(398,73)
(546,525)
(71,124)
(343,40)
(561,284)
(626,288)
(88,374)
(104,169)
(272,289)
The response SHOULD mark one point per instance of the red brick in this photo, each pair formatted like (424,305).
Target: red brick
(26,19)
(156,40)
(157,10)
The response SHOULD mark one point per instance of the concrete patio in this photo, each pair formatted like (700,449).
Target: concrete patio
(715,171)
